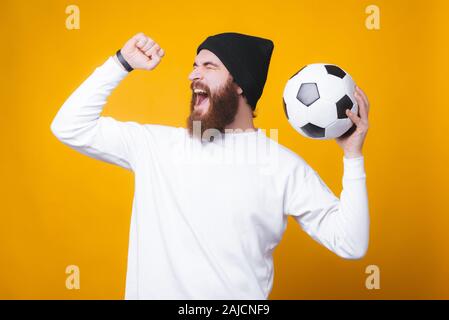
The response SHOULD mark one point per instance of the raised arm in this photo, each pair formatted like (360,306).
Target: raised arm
(341,225)
(79,123)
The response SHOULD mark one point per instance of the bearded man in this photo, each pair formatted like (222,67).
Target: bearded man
(206,229)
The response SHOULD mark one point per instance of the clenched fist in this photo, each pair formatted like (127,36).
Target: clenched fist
(142,52)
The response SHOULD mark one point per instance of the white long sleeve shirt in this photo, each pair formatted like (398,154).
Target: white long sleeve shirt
(206,217)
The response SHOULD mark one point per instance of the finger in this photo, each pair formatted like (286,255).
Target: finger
(142,40)
(363,94)
(155,59)
(132,43)
(138,36)
(152,51)
(141,43)
(362,106)
(161,52)
(354,118)
(364,97)
(141,36)
(148,45)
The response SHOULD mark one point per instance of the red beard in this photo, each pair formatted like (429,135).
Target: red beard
(223,107)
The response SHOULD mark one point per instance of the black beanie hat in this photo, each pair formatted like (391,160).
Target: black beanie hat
(247,59)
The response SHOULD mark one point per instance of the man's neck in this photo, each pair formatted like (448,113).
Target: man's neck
(243,120)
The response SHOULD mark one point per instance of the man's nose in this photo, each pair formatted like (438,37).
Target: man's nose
(195,74)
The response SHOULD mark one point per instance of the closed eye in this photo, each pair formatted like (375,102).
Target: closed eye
(207,64)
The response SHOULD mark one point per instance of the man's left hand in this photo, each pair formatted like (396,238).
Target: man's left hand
(352,141)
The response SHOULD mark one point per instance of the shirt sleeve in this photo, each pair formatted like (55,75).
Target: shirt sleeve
(79,123)
(341,225)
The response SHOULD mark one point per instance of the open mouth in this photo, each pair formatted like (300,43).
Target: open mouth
(201,99)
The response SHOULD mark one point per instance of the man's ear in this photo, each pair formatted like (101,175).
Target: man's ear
(239,90)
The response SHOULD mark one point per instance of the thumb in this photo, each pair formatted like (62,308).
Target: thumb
(354,118)
(155,55)
(154,61)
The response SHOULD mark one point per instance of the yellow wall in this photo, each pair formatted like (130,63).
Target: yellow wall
(59,207)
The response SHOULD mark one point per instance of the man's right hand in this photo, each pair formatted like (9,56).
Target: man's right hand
(142,52)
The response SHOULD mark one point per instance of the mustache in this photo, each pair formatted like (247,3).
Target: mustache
(199,85)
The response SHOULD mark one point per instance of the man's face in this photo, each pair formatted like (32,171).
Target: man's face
(215,96)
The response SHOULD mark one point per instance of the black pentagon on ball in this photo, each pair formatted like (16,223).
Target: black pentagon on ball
(285,108)
(343,104)
(313,131)
(335,71)
(308,93)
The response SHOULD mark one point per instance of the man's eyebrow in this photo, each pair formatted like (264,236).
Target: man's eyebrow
(206,63)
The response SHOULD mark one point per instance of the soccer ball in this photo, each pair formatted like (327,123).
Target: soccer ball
(316,98)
